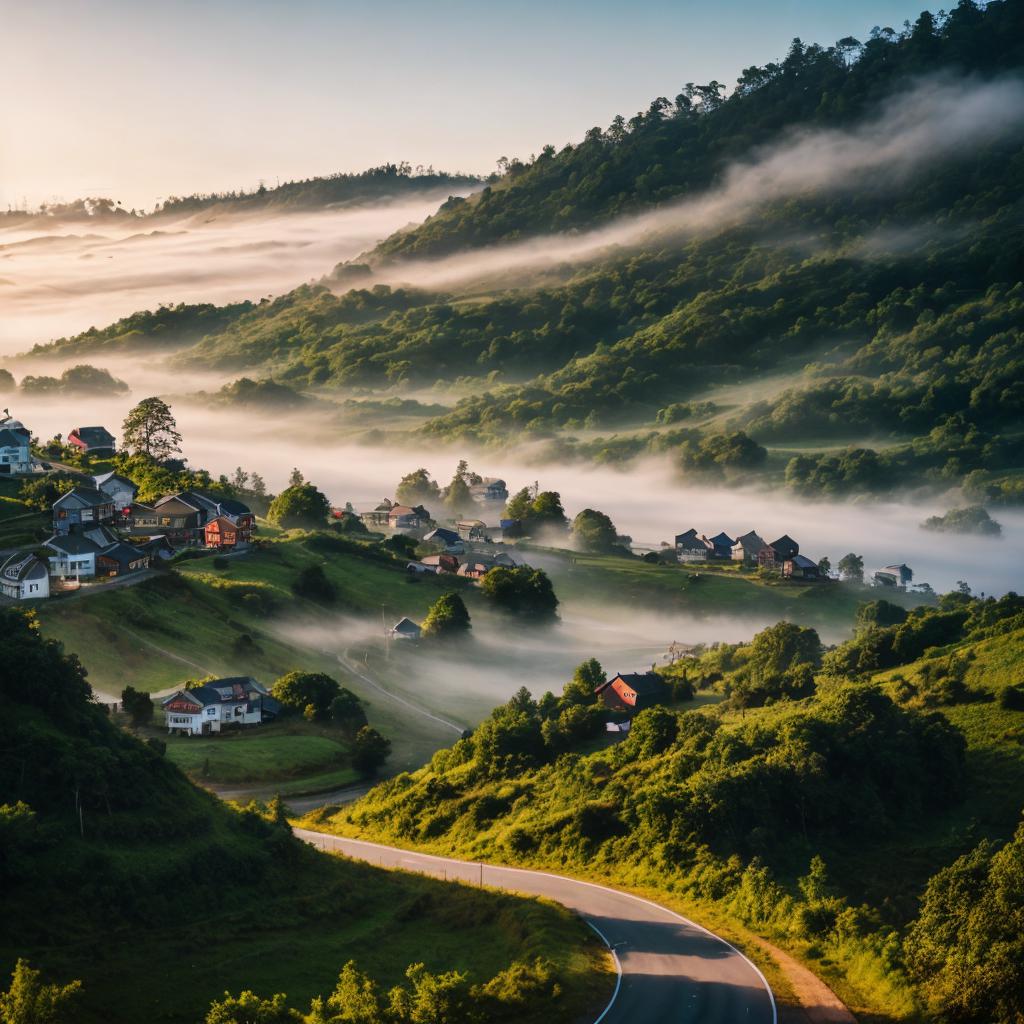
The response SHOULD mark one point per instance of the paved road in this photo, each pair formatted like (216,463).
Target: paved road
(672,970)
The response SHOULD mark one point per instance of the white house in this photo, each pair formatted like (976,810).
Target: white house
(406,629)
(15,453)
(206,709)
(120,488)
(24,577)
(74,554)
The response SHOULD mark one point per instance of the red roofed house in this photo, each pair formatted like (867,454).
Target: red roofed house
(633,691)
(222,533)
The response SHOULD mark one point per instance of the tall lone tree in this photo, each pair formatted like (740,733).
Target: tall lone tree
(150,428)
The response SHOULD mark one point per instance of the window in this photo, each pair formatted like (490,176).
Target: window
(210,712)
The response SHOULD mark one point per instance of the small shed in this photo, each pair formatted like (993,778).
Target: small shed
(406,629)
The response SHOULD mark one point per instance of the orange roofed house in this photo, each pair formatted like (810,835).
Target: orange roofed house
(632,691)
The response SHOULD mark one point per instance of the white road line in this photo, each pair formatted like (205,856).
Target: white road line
(618,972)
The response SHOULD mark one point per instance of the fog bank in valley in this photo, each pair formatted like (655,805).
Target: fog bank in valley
(57,279)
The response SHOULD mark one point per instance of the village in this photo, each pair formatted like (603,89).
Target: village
(102,535)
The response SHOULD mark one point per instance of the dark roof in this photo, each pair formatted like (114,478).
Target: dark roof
(12,439)
(644,684)
(123,553)
(95,437)
(86,495)
(176,504)
(690,537)
(803,562)
(222,691)
(72,544)
(407,626)
(785,545)
(722,539)
(21,565)
(751,540)
(442,534)
(233,507)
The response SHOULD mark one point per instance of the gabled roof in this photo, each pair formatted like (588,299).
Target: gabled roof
(406,626)
(234,508)
(643,684)
(102,536)
(220,691)
(174,504)
(443,535)
(722,540)
(72,544)
(223,523)
(83,497)
(785,544)
(114,478)
(689,538)
(12,439)
(803,562)
(95,437)
(751,541)
(22,565)
(123,553)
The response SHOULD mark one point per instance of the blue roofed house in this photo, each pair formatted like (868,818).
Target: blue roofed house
(720,546)
(82,507)
(691,548)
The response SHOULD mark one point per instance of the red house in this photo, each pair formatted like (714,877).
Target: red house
(633,691)
(222,533)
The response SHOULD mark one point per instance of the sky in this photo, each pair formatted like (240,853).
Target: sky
(141,101)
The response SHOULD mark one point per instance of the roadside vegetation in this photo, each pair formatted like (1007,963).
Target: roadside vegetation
(858,816)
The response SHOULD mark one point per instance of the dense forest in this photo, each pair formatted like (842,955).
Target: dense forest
(860,804)
(828,259)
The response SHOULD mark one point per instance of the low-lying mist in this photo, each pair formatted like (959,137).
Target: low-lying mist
(936,120)
(57,279)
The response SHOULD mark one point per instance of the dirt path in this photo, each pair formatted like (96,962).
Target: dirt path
(818,1003)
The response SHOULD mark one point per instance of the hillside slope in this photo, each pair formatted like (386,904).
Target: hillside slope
(834,823)
(117,871)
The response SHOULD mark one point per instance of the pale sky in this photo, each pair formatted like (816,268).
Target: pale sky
(141,100)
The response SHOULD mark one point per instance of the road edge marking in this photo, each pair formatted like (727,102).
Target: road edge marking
(579,881)
(618,970)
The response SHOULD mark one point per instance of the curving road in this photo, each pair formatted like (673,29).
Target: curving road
(670,968)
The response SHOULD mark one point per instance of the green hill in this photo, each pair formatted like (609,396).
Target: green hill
(117,871)
(834,823)
(898,290)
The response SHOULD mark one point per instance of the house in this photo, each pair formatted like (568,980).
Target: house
(222,533)
(894,576)
(421,568)
(406,629)
(472,529)
(178,519)
(205,709)
(721,545)
(490,490)
(632,691)
(74,554)
(800,567)
(441,563)
(92,440)
(474,570)
(766,558)
(408,517)
(449,538)
(120,489)
(379,515)
(785,548)
(121,559)
(15,448)
(82,507)
(691,548)
(24,577)
(158,547)
(747,548)
(241,515)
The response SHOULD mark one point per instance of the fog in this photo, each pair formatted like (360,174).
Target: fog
(936,120)
(57,279)
(647,500)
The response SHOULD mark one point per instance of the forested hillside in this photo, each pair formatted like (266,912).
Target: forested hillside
(117,871)
(870,821)
(840,237)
